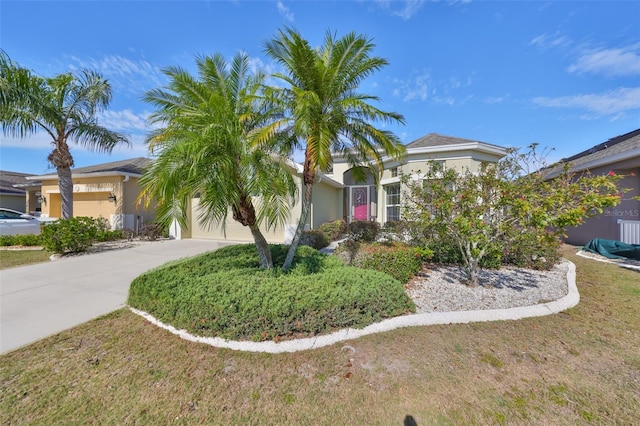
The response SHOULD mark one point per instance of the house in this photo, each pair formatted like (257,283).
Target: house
(338,195)
(12,196)
(620,155)
(108,190)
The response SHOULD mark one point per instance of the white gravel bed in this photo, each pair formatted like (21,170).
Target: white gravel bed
(441,288)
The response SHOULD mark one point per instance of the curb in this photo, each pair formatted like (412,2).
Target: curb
(433,318)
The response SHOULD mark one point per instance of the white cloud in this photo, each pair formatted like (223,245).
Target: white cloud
(124,121)
(404,9)
(37,140)
(547,41)
(130,75)
(415,88)
(610,62)
(601,104)
(285,12)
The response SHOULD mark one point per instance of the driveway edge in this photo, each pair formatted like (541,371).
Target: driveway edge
(433,318)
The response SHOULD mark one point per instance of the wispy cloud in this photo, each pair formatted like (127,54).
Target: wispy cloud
(133,76)
(285,12)
(608,103)
(125,121)
(611,62)
(404,9)
(416,87)
(548,41)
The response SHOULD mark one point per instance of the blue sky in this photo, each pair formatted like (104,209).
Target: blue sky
(563,74)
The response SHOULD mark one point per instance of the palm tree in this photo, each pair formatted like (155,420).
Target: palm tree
(64,107)
(205,147)
(323,112)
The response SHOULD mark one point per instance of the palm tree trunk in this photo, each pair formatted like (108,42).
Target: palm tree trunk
(65,183)
(62,160)
(304,214)
(264,251)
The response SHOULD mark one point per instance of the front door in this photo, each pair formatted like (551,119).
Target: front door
(360,202)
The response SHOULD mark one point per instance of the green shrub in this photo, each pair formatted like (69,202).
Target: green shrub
(364,231)
(398,260)
(315,239)
(533,250)
(72,235)
(334,230)
(224,293)
(445,252)
(27,240)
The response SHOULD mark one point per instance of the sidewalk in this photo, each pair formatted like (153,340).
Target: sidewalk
(40,300)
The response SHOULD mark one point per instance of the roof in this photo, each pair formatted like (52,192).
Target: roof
(133,166)
(8,179)
(616,149)
(436,140)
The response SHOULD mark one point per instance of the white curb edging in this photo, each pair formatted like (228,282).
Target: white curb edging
(433,318)
(581,253)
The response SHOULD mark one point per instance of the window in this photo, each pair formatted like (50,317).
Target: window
(393,202)
(394,172)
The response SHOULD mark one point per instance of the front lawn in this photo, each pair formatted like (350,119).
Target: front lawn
(581,367)
(13,258)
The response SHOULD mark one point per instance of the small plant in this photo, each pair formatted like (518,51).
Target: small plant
(28,240)
(398,260)
(364,231)
(314,238)
(151,232)
(334,230)
(72,235)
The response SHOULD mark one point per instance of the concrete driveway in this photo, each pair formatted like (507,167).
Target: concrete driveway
(40,300)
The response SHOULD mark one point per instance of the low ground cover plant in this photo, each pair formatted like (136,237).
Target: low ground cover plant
(226,293)
(27,240)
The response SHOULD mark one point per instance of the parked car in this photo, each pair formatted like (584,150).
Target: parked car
(13,222)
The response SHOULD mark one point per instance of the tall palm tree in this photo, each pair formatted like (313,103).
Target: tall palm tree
(322,110)
(205,147)
(64,107)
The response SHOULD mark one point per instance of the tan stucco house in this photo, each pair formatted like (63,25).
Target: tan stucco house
(108,190)
(620,155)
(337,195)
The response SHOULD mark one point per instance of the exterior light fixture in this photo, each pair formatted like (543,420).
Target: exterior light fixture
(42,199)
(112,197)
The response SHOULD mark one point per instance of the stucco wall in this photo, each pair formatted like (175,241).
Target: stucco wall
(326,205)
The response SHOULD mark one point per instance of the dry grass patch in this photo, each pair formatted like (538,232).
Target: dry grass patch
(577,367)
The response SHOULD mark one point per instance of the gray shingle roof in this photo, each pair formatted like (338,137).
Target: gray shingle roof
(599,153)
(133,165)
(8,179)
(434,139)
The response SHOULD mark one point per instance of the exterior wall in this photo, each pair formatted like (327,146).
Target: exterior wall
(234,230)
(326,205)
(91,197)
(14,202)
(606,225)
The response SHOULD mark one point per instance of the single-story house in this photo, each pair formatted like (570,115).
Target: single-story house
(108,190)
(620,155)
(338,195)
(12,197)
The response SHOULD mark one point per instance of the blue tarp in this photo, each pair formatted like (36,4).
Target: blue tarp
(613,249)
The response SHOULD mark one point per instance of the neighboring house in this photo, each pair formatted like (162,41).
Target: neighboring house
(108,190)
(338,195)
(12,197)
(620,155)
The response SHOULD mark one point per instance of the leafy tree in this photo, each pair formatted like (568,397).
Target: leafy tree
(205,148)
(497,203)
(64,107)
(322,111)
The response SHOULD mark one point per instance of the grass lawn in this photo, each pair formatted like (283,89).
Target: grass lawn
(13,258)
(577,367)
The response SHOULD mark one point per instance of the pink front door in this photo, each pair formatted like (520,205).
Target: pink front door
(359,197)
